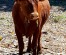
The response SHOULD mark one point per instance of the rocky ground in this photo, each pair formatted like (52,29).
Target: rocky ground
(53,41)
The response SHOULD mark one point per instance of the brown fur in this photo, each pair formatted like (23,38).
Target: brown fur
(29,17)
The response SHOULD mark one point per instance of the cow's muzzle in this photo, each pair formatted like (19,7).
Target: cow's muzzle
(34,16)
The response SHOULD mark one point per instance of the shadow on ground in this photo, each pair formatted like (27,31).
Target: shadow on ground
(6,5)
(60,3)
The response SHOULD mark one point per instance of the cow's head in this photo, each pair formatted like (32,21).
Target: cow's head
(29,8)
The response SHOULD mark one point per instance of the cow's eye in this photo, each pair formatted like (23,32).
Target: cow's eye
(30,7)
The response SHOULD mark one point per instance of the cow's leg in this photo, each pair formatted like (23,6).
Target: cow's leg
(20,41)
(34,43)
(38,36)
(39,45)
(29,44)
(40,28)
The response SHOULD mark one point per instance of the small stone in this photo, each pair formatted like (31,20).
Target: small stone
(48,54)
(1,38)
(45,48)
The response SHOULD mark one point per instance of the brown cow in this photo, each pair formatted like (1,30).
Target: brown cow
(29,17)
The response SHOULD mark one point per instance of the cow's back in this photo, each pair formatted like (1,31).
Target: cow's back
(44,10)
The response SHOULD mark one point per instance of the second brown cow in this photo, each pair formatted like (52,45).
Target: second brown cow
(29,17)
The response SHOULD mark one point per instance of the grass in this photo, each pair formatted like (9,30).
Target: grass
(60,17)
(1,18)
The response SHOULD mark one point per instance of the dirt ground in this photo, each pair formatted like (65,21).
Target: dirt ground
(53,41)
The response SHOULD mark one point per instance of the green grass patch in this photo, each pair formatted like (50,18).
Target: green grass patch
(2,18)
(60,17)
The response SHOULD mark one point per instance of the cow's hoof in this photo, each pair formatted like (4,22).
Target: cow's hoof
(29,50)
(39,52)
